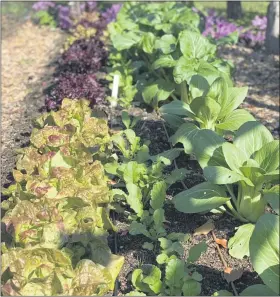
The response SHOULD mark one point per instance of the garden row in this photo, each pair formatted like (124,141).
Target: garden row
(57,217)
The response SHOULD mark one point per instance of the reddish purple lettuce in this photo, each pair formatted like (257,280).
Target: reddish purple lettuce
(75,86)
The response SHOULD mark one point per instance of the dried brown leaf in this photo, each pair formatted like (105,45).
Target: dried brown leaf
(205,228)
(222,242)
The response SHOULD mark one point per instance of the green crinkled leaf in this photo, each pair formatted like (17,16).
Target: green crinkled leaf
(148,42)
(164,61)
(251,137)
(195,45)
(158,195)
(196,251)
(90,279)
(272,197)
(134,198)
(191,288)
(158,217)
(264,250)
(238,245)
(162,258)
(125,40)
(202,197)
(136,228)
(166,44)
(174,273)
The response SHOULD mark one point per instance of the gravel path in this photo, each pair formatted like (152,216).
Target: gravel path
(27,64)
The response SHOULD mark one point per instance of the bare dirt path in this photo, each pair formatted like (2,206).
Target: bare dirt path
(28,53)
(260,72)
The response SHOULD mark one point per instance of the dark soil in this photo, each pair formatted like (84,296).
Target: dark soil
(209,264)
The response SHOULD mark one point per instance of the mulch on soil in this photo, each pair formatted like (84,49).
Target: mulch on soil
(27,66)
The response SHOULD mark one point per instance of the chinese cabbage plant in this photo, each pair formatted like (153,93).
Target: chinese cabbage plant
(213,108)
(239,178)
(57,215)
(159,48)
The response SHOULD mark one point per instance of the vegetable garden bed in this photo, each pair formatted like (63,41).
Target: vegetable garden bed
(104,196)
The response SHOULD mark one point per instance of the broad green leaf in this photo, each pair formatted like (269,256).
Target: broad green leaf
(186,134)
(196,251)
(257,290)
(202,197)
(206,109)
(221,176)
(158,195)
(167,157)
(138,228)
(148,246)
(134,198)
(135,293)
(125,40)
(235,119)
(126,119)
(174,273)
(176,175)
(218,90)
(206,146)
(264,250)
(173,121)
(148,42)
(165,243)
(234,157)
(153,278)
(222,293)
(178,236)
(268,156)
(198,85)
(239,244)
(191,288)
(158,91)
(164,61)
(272,197)
(162,258)
(235,97)
(167,44)
(184,69)
(197,276)
(251,137)
(177,107)
(195,45)
(158,217)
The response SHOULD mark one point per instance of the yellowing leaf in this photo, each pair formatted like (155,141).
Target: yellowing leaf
(205,228)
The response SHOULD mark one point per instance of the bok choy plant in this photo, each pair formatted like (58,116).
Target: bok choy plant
(214,108)
(239,177)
